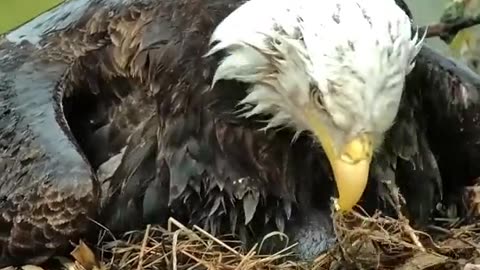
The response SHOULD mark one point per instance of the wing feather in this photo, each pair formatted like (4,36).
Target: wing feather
(47,187)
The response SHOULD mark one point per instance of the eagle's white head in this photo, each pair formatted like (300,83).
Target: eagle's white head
(335,68)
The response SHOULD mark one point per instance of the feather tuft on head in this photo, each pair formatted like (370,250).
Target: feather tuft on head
(355,54)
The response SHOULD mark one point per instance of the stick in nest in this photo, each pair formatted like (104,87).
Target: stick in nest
(144,246)
(399,202)
(363,238)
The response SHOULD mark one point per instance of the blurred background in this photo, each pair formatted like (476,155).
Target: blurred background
(15,12)
(427,12)
(465,46)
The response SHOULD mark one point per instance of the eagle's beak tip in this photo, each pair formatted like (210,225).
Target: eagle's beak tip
(350,165)
(351,176)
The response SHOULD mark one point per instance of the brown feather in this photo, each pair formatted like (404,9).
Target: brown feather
(133,77)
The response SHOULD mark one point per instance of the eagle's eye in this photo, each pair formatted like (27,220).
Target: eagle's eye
(316,96)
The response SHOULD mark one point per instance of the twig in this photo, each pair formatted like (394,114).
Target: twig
(405,223)
(105,230)
(218,241)
(174,249)
(446,30)
(144,246)
(246,257)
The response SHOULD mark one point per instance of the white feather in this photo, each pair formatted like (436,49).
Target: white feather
(244,64)
(356,52)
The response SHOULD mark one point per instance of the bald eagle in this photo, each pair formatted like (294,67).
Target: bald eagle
(238,116)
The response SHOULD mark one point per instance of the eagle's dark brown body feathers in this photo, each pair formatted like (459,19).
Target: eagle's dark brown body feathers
(47,188)
(447,112)
(189,144)
(132,78)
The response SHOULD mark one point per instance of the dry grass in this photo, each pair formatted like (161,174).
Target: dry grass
(181,248)
(364,242)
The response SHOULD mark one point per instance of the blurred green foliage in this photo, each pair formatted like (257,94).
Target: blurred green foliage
(14,13)
(465,46)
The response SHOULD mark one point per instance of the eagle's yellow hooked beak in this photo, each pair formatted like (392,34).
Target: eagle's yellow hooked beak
(350,169)
(350,165)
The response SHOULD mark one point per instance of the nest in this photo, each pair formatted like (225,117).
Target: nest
(364,242)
